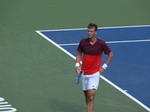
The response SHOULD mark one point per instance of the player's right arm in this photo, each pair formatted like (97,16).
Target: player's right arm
(78,59)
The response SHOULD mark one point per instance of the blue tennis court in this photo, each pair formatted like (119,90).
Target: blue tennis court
(129,69)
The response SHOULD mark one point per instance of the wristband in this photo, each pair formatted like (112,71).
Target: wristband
(104,66)
(77,64)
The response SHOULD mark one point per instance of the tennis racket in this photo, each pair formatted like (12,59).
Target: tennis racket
(79,76)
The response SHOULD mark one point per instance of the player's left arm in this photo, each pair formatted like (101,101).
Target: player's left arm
(108,60)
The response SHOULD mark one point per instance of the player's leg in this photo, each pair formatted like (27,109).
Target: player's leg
(85,90)
(89,98)
(92,86)
(89,85)
(85,94)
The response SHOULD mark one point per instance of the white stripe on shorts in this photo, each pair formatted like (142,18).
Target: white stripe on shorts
(90,81)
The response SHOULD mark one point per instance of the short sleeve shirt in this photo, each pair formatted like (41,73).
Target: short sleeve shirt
(92,55)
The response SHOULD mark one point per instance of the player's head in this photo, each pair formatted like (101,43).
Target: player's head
(92,30)
(92,25)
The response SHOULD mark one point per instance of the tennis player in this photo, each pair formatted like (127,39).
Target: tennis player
(90,52)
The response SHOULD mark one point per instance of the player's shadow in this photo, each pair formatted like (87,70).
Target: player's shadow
(62,106)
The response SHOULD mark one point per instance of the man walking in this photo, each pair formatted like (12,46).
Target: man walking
(90,52)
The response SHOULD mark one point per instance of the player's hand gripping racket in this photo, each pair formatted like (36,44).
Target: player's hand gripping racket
(79,76)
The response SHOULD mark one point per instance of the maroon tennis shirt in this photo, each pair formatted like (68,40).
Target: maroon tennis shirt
(92,55)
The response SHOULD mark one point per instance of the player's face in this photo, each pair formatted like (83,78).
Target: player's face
(91,32)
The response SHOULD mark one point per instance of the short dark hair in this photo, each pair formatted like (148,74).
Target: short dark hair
(92,25)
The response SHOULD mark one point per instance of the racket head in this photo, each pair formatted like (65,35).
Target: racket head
(79,77)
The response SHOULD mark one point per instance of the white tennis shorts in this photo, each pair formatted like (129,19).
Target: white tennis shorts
(90,81)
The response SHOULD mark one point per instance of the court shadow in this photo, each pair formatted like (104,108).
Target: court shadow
(62,106)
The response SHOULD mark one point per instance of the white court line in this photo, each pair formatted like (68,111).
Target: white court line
(147,40)
(129,41)
(121,90)
(98,28)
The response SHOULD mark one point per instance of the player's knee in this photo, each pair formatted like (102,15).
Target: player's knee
(91,98)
